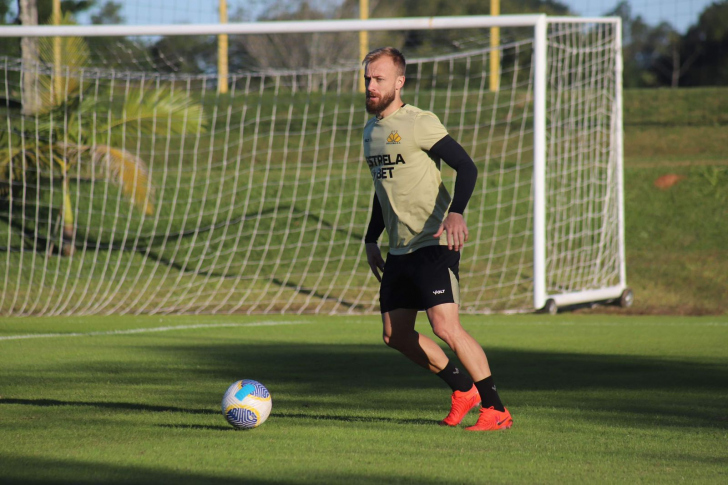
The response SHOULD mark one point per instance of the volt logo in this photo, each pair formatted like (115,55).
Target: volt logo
(438,292)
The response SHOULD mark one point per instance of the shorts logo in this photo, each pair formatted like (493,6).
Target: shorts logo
(394,138)
(438,292)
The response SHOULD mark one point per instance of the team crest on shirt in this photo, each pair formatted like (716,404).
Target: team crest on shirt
(394,138)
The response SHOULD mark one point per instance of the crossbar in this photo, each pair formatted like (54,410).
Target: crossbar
(282,27)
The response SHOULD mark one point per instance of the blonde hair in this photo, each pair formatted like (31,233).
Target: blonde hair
(390,52)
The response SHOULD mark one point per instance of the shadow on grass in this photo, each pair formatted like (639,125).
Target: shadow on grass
(105,405)
(171,409)
(347,383)
(362,378)
(316,417)
(37,470)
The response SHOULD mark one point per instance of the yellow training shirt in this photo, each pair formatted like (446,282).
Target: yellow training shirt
(407,178)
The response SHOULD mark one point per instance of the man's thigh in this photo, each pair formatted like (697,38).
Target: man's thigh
(399,321)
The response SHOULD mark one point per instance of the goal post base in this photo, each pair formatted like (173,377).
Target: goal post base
(618,294)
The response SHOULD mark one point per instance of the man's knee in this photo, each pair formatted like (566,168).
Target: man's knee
(448,332)
(443,332)
(395,340)
(391,341)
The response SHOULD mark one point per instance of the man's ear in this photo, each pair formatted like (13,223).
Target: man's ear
(400,81)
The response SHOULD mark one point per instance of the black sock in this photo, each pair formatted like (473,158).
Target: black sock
(457,379)
(488,394)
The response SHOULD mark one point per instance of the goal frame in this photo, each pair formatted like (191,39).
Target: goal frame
(539,22)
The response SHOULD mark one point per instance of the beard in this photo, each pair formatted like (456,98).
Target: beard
(375,107)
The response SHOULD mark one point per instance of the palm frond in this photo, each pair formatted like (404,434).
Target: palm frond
(159,111)
(74,55)
(127,170)
(117,166)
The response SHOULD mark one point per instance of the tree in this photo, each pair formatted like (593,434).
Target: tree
(297,51)
(65,134)
(28,15)
(108,14)
(669,64)
(72,7)
(707,42)
(185,54)
(429,42)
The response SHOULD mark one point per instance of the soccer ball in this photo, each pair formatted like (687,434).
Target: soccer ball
(246,404)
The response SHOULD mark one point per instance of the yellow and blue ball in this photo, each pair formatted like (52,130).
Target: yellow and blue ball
(246,404)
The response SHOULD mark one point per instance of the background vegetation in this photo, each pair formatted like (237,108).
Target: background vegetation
(655,55)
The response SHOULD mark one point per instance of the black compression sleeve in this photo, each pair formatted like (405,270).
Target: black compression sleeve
(452,153)
(376,223)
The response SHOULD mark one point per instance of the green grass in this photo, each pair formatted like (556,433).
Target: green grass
(677,259)
(594,397)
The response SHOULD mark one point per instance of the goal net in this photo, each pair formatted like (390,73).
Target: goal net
(131,181)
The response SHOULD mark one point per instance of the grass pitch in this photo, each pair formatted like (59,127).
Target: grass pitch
(137,400)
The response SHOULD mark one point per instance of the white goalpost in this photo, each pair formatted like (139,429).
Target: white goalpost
(130,184)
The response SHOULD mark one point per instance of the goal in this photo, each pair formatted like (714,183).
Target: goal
(130,182)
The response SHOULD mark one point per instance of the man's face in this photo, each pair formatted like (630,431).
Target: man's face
(380,79)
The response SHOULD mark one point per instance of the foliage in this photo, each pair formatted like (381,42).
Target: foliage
(707,40)
(64,137)
(58,143)
(109,13)
(658,55)
(185,54)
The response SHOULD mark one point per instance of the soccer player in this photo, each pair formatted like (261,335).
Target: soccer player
(403,146)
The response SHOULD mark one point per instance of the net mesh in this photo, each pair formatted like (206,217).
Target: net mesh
(131,187)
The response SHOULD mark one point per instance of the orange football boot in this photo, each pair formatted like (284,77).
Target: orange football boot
(462,403)
(492,420)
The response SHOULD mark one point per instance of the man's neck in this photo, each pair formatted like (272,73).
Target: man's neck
(393,106)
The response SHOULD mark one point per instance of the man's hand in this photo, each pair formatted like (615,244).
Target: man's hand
(457,231)
(375,260)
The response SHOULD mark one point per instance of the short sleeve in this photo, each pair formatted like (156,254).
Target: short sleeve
(428,130)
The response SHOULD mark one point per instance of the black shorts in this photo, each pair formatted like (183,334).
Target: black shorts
(420,280)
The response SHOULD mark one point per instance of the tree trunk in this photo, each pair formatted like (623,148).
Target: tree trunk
(68,229)
(28,10)
(675,66)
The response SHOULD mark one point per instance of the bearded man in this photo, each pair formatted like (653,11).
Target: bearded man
(403,147)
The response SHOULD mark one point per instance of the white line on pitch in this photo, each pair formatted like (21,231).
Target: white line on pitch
(154,329)
(576,323)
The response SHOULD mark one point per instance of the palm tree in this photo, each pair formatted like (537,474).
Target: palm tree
(71,131)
